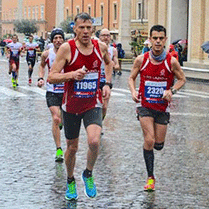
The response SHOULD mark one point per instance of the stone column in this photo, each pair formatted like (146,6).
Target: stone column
(125,26)
(59,12)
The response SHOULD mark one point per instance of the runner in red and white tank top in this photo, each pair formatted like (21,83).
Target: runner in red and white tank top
(83,95)
(154,80)
(157,70)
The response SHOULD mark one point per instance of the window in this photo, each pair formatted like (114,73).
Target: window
(25,13)
(139,12)
(102,13)
(67,13)
(34,13)
(29,14)
(115,11)
(89,10)
(78,10)
(42,12)
(37,13)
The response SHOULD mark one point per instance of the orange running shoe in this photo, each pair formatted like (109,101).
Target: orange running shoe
(150,185)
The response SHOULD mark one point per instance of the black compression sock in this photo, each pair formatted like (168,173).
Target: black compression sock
(69,180)
(87,173)
(149,161)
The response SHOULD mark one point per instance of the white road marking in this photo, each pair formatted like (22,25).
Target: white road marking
(11,92)
(189,114)
(34,89)
(193,91)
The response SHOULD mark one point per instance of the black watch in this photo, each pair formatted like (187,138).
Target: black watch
(109,84)
(173,91)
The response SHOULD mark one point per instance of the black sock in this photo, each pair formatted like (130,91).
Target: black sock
(149,161)
(87,173)
(69,180)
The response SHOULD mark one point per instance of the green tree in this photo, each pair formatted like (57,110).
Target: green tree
(65,25)
(26,26)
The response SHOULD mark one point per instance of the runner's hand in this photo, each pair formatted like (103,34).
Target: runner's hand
(167,95)
(79,74)
(135,97)
(106,92)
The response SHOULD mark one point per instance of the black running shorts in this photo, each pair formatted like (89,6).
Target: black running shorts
(31,62)
(54,99)
(72,122)
(159,117)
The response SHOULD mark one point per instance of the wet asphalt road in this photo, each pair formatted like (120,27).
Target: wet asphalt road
(30,179)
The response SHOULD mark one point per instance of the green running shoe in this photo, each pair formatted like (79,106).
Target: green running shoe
(90,187)
(71,192)
(59,156)
(14,84)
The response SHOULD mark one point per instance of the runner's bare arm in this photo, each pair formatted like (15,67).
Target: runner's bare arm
(176,68)
(115,59)
(108,62)
(42,66)
(63,56)
(132,78)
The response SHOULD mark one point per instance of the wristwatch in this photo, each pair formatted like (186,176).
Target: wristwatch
(109,84)
(173,90)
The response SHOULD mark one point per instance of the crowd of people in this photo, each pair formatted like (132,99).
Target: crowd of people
(78,88)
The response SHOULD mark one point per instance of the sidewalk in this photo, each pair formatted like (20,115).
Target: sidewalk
(191,73)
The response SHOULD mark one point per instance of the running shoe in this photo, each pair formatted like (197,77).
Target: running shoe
(59,156)
(71,192)
(150,185)
(14,84)
(29,81)
(90,187)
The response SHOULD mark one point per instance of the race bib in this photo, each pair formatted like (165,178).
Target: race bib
(31,52)
(154,90)
(87,87)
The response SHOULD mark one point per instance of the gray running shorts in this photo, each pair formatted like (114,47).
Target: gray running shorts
(159,117)
(54,99)
(72,122)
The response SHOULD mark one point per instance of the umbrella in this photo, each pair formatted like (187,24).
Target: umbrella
(176,41)
(205,47)
(183,41)
(7,40)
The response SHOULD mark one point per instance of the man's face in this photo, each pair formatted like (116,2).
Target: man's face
(158,40)
(58,41)
(83,30)
(105,36)
(14,39)
(30,39)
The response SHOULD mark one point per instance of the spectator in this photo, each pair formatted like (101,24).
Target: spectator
(172,51)
(146,47)
(121,55)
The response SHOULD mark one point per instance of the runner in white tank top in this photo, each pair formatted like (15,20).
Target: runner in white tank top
(105,37)
(54,93)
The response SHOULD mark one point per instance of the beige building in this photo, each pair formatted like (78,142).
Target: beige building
(42,11)
(184,19)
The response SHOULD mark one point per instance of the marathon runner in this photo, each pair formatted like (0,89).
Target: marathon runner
(81,59)
(157,70)
(54,92)
(105,37)
(31,49)
(13,53)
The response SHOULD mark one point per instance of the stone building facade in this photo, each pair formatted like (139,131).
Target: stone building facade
(184,19)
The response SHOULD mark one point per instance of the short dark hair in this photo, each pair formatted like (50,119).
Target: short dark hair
(84,16)
(30,35)
(157,28)
(14,35)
